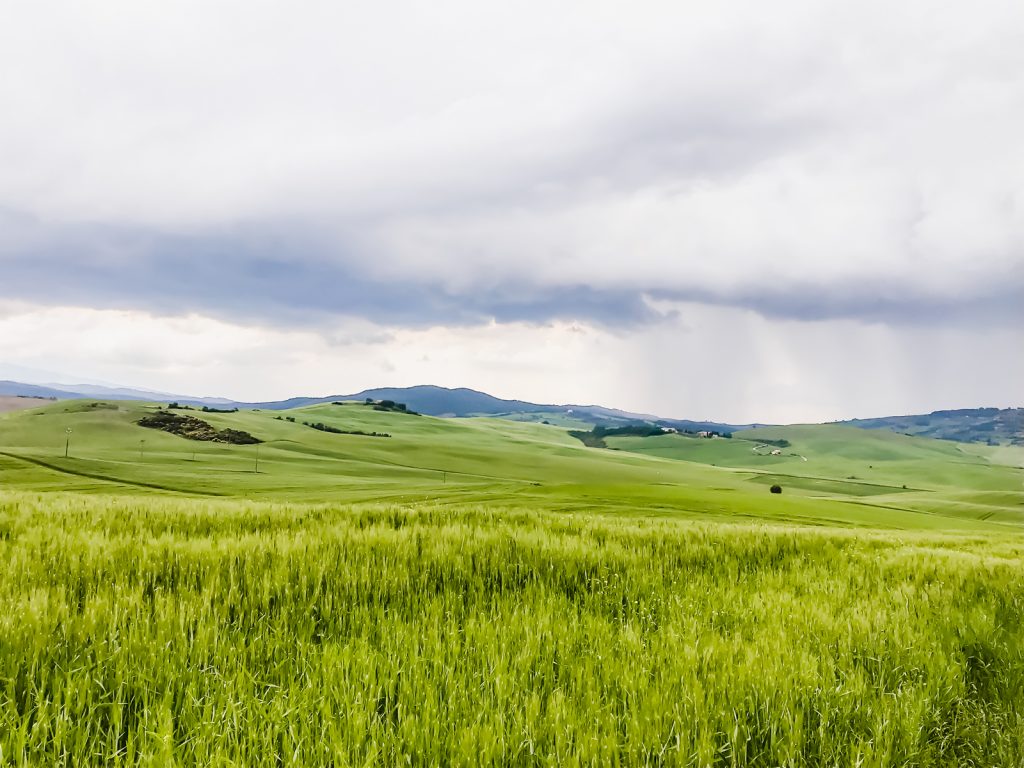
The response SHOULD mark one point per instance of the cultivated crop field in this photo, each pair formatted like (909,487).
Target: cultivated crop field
(478,591)
(161,631)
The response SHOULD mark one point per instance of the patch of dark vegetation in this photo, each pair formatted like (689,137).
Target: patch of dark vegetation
(204,409)
(393,407)
(335,431)
(91,406)
(595,438)
(589,439)
(236,437)
(776,489)
(780,443)
(379,405)
(193,428)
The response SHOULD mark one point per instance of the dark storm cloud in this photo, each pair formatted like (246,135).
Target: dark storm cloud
(270,278)
(284,277)
(1001,305)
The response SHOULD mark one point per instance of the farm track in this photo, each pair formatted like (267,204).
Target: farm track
(103,478)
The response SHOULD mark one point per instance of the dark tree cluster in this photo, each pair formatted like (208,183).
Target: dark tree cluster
(393,407)
(195,429)
(595,438)
(334,430)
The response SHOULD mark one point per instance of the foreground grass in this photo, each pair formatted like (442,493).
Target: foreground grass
(163,632)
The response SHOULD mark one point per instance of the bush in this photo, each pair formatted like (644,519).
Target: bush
(334,430)
(776,489)
(195,429)
(392,407)
(595,438)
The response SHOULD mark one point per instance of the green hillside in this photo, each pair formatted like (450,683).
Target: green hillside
(829,474)
(877,467)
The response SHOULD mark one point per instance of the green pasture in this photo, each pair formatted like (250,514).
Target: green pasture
(830,475)
(868,467)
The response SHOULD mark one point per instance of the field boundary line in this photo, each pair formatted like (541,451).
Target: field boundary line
(104,478)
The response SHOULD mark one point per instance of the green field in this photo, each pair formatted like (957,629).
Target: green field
(479,591)
(873,467)
(850,477)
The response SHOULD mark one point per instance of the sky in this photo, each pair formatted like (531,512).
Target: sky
(801,211)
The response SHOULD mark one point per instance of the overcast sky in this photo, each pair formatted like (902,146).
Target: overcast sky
(799,211)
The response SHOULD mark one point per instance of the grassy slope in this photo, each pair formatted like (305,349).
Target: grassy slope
(878,468)
(512,464)
(180,632)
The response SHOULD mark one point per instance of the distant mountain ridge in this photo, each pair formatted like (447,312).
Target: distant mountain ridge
(965,425)
(462,402)
(993,425)
(78,391)
(20,389)
(425,398)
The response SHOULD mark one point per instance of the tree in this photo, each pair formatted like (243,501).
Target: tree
(776,489)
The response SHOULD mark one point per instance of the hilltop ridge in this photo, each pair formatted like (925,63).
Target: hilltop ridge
(991,425)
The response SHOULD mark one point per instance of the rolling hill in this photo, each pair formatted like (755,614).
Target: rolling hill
(428,399)
(994,426)
(834,474)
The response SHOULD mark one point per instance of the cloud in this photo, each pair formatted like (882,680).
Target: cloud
(519,163)
(269,277)
(400,168)
(290,277)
